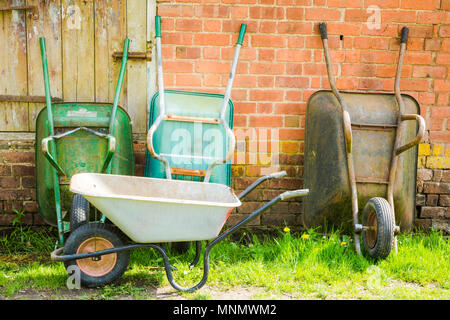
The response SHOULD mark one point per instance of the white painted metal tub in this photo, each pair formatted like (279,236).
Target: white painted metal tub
(151,210)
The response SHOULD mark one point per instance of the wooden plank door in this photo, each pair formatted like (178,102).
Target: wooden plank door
(81,37)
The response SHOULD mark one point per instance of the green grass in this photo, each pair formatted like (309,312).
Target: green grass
(304,266)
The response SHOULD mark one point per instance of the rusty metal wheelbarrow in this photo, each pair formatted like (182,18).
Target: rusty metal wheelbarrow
(372,156)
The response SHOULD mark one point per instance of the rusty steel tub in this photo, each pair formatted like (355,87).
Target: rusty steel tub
(374,124)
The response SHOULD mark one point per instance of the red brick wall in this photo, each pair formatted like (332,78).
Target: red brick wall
(281,65)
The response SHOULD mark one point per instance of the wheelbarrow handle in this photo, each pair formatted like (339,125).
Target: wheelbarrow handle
(420,132)
(47,154)
(404,36)
(158,26)
(259,181)
(323,30)
(242,34)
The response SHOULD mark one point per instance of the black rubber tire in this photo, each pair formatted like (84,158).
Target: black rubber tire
(378,243)
(79,211)
(97,230)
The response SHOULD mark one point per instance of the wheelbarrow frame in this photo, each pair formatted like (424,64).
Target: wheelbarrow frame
(397,149)
(58,254)
(48,144)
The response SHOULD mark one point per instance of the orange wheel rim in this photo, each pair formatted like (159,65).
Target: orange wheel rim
(97,266)
(372,232)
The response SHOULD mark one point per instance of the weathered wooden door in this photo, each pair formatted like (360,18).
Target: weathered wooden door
(83,39)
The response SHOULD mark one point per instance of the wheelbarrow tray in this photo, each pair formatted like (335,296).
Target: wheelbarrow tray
(374,118)
(166,139)
(81,151)
(152,210)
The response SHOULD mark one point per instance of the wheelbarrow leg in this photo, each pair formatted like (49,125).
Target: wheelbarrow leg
(167,265)
(198,249)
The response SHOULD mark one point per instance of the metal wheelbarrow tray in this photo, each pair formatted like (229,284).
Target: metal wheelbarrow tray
(158,210)
(195,112)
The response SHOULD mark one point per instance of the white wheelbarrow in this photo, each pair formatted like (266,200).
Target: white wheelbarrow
(150,211)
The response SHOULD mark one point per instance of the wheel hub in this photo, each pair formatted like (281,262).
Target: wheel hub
(96,266)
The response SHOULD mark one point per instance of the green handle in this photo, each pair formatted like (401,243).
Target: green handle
(48,98)
(242,34)
(123,66)
(158,26)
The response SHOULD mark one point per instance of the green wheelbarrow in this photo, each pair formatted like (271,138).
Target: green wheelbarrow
(74,138)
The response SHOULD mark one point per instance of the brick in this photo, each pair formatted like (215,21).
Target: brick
(345,3)
(420,5)
(176,38)
(239,12)
(324,14)
(424,174)
(440,136)
(212,26)
(5,170)
(188,80)
(429,72)
(267,41)
(211,39)
(443,58)
(293,55)
(189,25)
(382,3)
(422,224)
(272,12)
(438,162)
(295,27)
(377,57)
(446,176)
(444,200)
(441,224)
(17,157)
(9,182)
(420,199)
(436,187)
(290,108)
(403,16)
(178,66)
(417,58)
(432,200)
(433,212)
(294,13)
(442,85)
(291,82)
(187,52)
(212,66)
(212,11)
(266,68)
(444,31)
(266,95)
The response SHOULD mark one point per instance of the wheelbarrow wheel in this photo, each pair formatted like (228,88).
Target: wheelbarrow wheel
(378,237)
(79,211)
(97,271)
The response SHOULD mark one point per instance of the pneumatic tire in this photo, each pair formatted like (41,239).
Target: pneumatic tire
(100,271)
(378,239)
